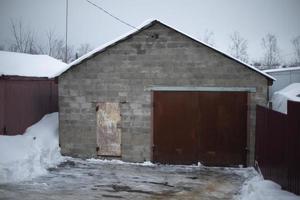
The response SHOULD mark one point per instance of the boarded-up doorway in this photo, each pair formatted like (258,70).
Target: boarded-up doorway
(206,127)
(108,133)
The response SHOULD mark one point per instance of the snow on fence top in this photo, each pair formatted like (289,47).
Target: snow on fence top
(282,69)
(143,26)
(280,98)
(21,64)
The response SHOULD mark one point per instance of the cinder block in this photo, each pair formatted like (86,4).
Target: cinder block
(121,74)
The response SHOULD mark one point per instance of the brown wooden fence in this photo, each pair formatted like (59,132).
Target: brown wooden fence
(278,145)
(24,101)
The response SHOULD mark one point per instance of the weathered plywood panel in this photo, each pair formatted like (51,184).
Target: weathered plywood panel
(108,133)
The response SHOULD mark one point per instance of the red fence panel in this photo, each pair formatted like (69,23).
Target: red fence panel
(25,101)
(293,146)
(270,144)
(2,86)
(278,145)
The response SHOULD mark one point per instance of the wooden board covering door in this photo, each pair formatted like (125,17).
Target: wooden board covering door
(108,133)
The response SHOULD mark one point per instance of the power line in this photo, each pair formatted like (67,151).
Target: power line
(113,16)
(66,53)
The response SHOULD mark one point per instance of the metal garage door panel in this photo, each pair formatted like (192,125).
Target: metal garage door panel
(222,128)
(209,127)
(175,127)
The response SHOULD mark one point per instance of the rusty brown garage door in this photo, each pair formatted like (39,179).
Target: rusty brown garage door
(209,127)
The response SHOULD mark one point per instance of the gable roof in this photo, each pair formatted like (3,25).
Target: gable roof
(22,64)
(143,26)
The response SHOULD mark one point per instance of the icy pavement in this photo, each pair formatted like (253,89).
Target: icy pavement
(80,179)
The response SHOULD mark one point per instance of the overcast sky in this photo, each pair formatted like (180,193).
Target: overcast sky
(87,24)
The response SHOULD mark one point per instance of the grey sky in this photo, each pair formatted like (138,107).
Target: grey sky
(253,19)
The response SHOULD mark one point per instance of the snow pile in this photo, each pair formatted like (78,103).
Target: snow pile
(29,155)
(280,98)
(259,189)
(113,161)
(21,64)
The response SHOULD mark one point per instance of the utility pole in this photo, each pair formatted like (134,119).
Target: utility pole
(66,53)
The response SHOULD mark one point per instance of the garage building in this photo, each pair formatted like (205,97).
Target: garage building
(158,94)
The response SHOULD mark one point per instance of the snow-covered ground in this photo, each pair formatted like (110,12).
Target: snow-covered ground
(77,179)
(280,98)
(29,170)
(27,156)
(257,188)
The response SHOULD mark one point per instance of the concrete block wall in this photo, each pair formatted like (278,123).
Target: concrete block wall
(156,56)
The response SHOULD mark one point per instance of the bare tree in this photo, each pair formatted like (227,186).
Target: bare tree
(59,49)
(296,45)
(71,53)
(52,43)
(83,49)
(271,56)
(2,47)
(238,46)
(208,37)
(48,48)
(23,39)
(55,47)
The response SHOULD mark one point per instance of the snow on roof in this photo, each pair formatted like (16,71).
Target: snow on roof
(282,69)
(105,45)
(280,98)
(143,26)
(21,64)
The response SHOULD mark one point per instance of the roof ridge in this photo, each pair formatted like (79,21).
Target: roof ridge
(144,25)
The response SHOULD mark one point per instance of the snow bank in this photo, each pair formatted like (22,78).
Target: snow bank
(113,161)
(22,64)
(29,155)
(259,189)
(145,163)
(280,98)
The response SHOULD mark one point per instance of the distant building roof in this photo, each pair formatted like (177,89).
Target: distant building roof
(142,27)
(282,69)
(21,64)
(280,98)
